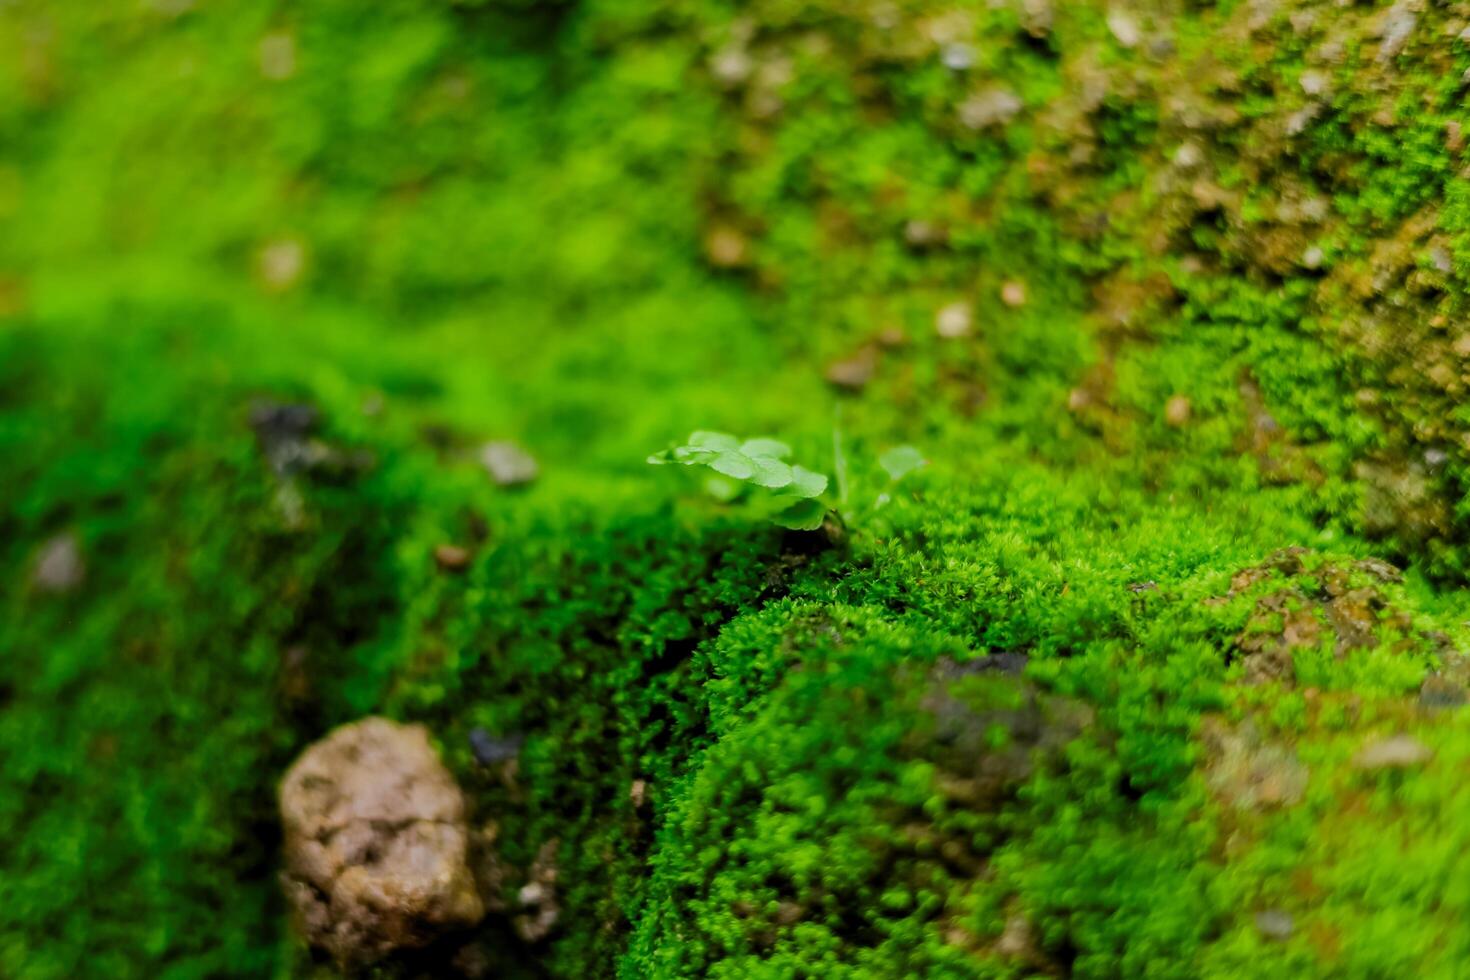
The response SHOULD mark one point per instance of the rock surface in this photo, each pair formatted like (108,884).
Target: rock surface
(375,843)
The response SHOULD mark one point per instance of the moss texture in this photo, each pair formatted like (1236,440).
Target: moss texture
(1171,295)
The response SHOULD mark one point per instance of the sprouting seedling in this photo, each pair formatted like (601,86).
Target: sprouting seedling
(799,493)
(898,463)
(760,463)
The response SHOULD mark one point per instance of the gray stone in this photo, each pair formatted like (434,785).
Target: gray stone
(508,464)
(1394,752)
(59,566)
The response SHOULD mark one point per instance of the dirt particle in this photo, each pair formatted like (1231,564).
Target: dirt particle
(726,247)
(853,373)
(59,566)
(451,557)
(954,320)
(280,263)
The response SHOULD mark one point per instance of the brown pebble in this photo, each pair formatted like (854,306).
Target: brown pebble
(892,336)
(726,248)
(451,557)
(1176,411)
(1013,294)
(853,373)
(919,233)
(375,844)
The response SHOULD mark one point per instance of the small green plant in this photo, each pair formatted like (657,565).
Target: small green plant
(759,463)
(797,493)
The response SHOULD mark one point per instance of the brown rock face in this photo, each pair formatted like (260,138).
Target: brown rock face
(375,842)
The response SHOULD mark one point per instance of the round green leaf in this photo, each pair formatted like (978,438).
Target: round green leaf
(718,441)
(805,483)
(733,464)
(765,449)
(771,473)
(900,461)
(690,455)
(804,515)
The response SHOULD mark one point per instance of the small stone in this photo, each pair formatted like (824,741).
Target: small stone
(508,464)
(1302,21)
(892,336)
(1398,24)
(1440,260)
(1313,257)
(1314,82)
(277,56)
(1248,772)
(1378,568)
(451,557)
(491,750)
(1078,399)
(1435,458)
(638,793)
(788,913)
(993,106)
(1013,294)
(59,566)
(731,65)
(1176,411)
(375,843)
(1037,17)
(954,320)
(726,247)
(919,233)
(1124,28)
(538,897)
(1439,693)
(280,263)
(285,433)
(1188,156)
(853,373)
(1298,121)
(958,56)
(1394,752)
(1275,925)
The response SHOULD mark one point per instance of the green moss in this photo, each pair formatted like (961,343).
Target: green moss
(1046,710)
